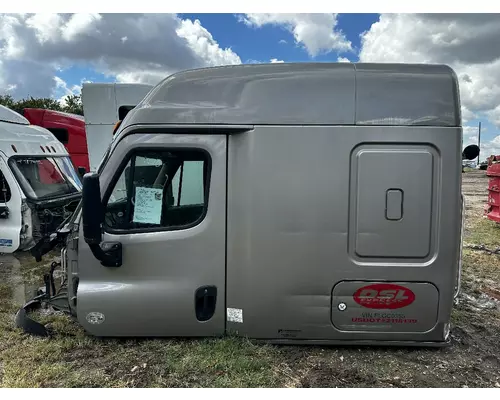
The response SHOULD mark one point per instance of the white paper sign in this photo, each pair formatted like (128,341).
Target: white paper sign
(235,315)
(147,207)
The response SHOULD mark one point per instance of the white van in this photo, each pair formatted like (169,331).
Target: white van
(39,186)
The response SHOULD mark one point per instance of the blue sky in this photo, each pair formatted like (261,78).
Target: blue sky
(251,44)
(264,43)
(51,55)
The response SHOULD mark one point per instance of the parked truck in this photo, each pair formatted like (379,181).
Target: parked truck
(39,187)
(69,129)
(328,209)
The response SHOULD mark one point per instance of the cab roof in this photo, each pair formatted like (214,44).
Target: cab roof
(8,115)
(304,94)
(60,113)
(22,139)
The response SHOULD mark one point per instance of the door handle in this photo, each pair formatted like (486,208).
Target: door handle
(205,300)
(394,204)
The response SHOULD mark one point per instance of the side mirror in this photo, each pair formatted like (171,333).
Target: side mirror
(92,209)
(109,253)
(82,171)
(470,152)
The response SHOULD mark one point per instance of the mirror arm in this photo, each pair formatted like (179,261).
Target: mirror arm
(108,253)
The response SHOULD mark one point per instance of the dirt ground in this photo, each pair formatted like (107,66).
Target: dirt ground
(72,359)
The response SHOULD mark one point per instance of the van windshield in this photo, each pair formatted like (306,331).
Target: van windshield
(46,177)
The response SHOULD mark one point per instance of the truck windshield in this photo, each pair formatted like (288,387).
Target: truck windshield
(46,177)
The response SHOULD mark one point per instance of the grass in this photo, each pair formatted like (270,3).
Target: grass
(82,361)
(71,358)
(483,231)
(6,303)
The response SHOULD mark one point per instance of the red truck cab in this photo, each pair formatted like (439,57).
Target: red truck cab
(69,129)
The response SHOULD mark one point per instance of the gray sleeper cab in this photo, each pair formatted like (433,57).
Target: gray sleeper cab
(294,203)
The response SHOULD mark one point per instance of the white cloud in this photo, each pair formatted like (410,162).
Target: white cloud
(470,130)
(276,61)
(62,85)
(343,60)
(467,115)
(62,90)
(129,47)
(496,140)
(79,25)
(203,44)
(12,46)
(318,33)
(47,27)
(494,115)
(490,148)
(467,42)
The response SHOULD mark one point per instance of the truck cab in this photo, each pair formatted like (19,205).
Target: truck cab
(309,203)
(39,186)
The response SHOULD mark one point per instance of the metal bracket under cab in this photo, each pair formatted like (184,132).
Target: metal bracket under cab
(49,296)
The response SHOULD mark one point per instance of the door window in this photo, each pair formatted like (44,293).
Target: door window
(159,190)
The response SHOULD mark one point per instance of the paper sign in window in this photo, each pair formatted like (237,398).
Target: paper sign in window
(148,205)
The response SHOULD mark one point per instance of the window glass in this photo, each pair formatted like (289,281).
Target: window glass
(46,177)
(159,189)
(61,134)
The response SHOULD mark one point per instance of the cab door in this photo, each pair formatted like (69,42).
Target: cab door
(10,210)
(165,202)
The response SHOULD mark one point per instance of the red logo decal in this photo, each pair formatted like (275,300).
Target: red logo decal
(384,296)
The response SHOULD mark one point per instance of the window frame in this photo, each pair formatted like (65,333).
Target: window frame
(137,151)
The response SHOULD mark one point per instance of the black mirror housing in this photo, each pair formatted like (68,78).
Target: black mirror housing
(92,209)
(470,152)
(82,171)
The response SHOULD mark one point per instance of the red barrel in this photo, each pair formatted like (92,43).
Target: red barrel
(493,207)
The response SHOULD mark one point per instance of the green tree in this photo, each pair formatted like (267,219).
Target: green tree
(7,101)
(73,103)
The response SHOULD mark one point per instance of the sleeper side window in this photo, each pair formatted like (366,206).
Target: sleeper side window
(60,134)
(159,190)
